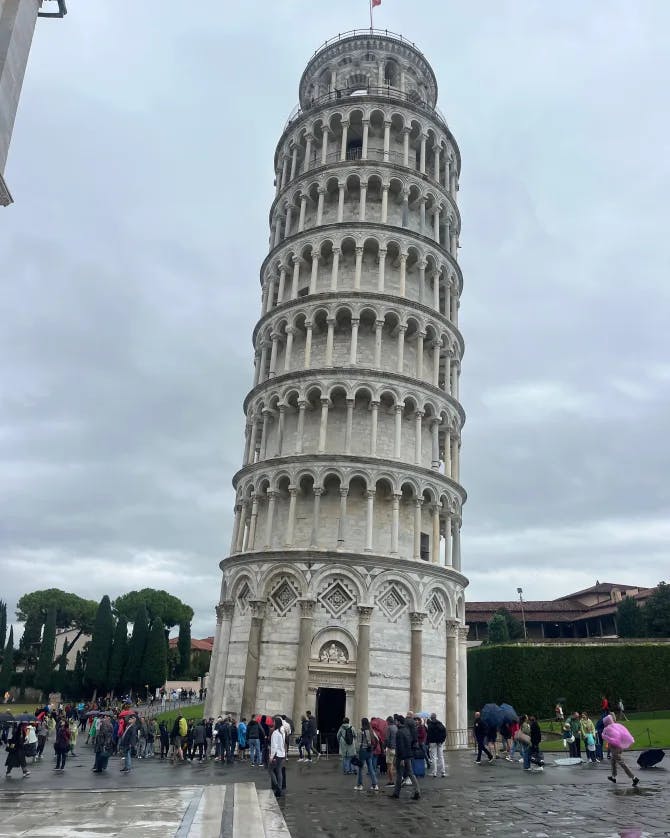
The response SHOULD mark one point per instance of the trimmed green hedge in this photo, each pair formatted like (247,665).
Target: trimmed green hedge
(531,678)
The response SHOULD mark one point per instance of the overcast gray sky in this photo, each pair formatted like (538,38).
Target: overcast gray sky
(141,167)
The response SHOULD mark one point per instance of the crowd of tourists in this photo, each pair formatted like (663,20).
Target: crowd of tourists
(399,748)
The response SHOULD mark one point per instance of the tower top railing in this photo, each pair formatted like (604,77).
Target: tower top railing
(386,92)
(371,33)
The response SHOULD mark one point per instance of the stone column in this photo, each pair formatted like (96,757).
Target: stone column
(436,290)
(284,167)
(415,661)
(324,145)
(343,146)
(289,220)
(363,662)
(417,436)
(463,681)
(316,256)
(370,495)
(395,524)
(435,456)
(247,442)
(379,325)
(363,202)
(435,551)
(342,523)
(314,540)
(300,431)
(418,503)
(353,353)
(348,432)
(297,262)
(447,373)
(397,441)
(421,265)
(436,224)
(308,152)
(253,658)
(302,663)
(385,203)
(340,203)
(437,346)
(382,268)
(301,217)
(264,433)
(403,273)
(447,453)
(451,715)
(236,528)
(373,432)
(290,526)
(319,206)
(280,429)
(252,525)
(422,216)
(387,139)
(330,336)
(401,348)
(308,344)
(419,354)
(357,270)
(219,662)
(294,162)
(436,152)
(243,523)
(263,362)
(272,499)
(405,146)
(323,426)
(334,273)
(274,336)
(422,158)
(448,561)
(366,134)
(456,544)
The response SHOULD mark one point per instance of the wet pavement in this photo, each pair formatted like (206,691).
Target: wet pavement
(489,800)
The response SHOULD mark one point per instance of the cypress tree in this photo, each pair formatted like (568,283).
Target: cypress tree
(154,666)
(7,670)
(3,625)
(45,664)
(119,654)
(100,649)
(133,669)
(184,649)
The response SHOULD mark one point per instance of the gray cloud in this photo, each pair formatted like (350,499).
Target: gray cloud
(142,171)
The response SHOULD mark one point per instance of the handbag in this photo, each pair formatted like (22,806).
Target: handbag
(356,761)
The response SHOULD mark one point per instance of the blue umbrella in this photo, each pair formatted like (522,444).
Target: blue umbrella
(509,713)
(492,715)
(422,715)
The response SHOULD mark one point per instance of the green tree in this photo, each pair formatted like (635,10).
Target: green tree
(7,671)
(498,632)
(657,611)
(3,625)
(119,654)
(132,675)
(30,640)
(100,648)
(154,666)
(630,619)
(514,626)
(45,664)
(71,610)
(200,663)
(157,603)
(184,649)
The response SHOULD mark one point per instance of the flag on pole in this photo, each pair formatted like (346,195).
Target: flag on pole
(373,3)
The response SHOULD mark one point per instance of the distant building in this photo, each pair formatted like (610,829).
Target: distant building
(75,639)
(204,645)
(584,614)
(17,24)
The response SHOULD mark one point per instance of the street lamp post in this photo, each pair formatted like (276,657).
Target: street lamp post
(523,616)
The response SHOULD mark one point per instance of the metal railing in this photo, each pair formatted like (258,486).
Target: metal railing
(369,33)
(383,92)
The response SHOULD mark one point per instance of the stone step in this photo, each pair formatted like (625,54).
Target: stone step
(233,811)
(273,820)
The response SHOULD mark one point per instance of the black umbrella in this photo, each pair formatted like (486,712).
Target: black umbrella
(650,758)
(24,717)
(5,716)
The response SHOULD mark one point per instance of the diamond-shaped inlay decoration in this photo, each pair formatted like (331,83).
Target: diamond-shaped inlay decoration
(435,610)
(284,597)
(243,598)
(392,602)
(336,599)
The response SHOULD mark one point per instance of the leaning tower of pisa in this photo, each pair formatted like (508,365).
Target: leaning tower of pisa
(343,590)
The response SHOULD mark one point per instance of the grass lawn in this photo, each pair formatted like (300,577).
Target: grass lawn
(190,711)
(651,730)
(16,709)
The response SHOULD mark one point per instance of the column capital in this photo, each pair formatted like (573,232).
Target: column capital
(416,619)
(317,491)
(397,497)
(321,190)
(365,614)
(402,328)
(290,330)
(302,403)
(344,492)
(355,320)
(398,408)
(456,522)
(435,507)
(452,628)
(359,248)
(316,255)
(293,491)
(422,264)
(406,129)
(257,608)
(297,260)
(307,607)
(330,320)
(365,120)
(271,494)
(463,631)
(345,122)
(379,323)
(326,129)
(403,257)
(418,502)
(370,493)
(224,610)
(419,414)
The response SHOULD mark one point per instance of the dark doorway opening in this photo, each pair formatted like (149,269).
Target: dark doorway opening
(330,709)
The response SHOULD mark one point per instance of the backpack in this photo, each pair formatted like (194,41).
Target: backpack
(183,727)
(349,736)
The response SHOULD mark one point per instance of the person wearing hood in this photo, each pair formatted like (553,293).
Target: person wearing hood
(617,754)
(403,759)
(346,740)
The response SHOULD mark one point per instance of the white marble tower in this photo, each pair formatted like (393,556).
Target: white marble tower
(343,585)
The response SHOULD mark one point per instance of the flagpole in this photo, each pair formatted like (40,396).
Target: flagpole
(370,15)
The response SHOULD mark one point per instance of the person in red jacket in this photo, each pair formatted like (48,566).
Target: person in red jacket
(422,739)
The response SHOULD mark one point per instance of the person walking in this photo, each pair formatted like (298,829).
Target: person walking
(621,710)
(480,732)
(128,742)
(613,739)
(346,741)
(242,737)
(16,754)
(589,737)
(277,757)
(576,730)
(523,736)
(254,733)
(42,736)
(199,741)
(403,759)
(62,744)
(102,745)
(303,741)
(164,734)
(390,748)
(366,745)
(311,736)
(437,735)
(535,739)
